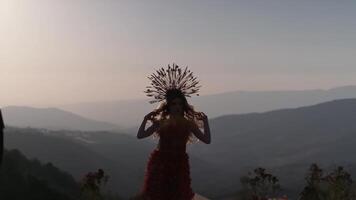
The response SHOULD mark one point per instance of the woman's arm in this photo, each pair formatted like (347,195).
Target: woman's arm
(142,133)
(205,137)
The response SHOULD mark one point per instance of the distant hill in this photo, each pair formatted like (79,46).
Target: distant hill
(129,113)
(286,134)
(21,178)
(51,118)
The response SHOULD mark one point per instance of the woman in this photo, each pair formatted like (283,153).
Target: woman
(167,175)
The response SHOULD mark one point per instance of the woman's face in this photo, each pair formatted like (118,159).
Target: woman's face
(176,107)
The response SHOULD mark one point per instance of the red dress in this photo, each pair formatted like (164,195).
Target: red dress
(167,175)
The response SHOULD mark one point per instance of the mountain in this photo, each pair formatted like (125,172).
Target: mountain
(122,156)
(284,141)
(129,113)
(286,134)
(51,118)
(21,178)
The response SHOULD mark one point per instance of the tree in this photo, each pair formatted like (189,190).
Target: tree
(259,185)
(339,185)
(91,185)
(314,178)
(336,185)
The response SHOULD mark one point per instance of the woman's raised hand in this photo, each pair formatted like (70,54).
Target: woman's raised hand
(202,116)
(150,115)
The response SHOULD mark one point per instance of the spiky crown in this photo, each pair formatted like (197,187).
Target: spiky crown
(172,78)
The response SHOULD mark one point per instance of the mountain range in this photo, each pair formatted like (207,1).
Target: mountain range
(125,116)
(122,156)
(53,119)
(285,141)
(128,114)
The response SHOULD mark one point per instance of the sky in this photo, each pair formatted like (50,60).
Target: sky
(56,52)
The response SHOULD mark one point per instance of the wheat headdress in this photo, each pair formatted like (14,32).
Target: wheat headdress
(172,78)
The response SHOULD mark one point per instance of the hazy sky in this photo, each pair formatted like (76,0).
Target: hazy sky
(65,51)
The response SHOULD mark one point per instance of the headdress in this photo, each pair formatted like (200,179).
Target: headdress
(172,79)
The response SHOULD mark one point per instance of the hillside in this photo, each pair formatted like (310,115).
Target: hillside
(21,178)
(287,135)
(286,141)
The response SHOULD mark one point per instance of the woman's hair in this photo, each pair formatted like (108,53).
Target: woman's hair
(162,111)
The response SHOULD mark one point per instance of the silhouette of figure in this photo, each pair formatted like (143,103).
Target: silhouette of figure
(2,126)
(167,175)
